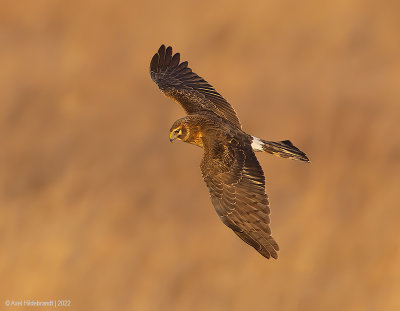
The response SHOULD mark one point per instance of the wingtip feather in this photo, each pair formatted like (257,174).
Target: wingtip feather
(154,63)
(175,60)
(161,50)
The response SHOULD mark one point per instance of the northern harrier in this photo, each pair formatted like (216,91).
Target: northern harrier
(229,166)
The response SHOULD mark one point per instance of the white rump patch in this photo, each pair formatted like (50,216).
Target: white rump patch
(257,144)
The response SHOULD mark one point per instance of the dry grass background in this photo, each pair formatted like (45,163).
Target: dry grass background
(98,207)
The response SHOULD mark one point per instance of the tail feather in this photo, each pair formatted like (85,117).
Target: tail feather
(283,149)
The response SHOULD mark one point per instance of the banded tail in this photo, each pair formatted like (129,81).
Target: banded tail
(283,149)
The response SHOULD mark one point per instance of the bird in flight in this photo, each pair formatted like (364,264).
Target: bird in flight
(229,166)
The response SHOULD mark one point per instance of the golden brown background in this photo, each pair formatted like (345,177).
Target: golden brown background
(98,207)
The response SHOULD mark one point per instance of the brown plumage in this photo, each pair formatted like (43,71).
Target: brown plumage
(229,166)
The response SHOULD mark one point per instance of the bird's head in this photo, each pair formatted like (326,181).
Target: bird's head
(179,130)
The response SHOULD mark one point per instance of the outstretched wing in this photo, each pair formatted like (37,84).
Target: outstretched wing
(177,81)
(237,187)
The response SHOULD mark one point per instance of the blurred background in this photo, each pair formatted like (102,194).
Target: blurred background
(97,206)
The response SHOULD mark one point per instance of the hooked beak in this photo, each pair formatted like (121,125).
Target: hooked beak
(172,136)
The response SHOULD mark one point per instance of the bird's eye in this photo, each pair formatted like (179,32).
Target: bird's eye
(177,130)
